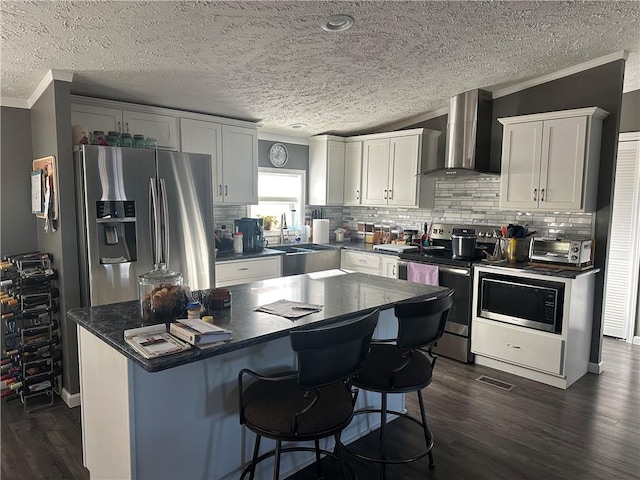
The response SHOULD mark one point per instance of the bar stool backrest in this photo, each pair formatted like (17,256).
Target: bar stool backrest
(421,323)
(333,353)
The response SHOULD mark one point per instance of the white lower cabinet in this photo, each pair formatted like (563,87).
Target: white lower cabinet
(249,270)
(518,345)
(557,359)
(362,262)
(389,266)
(379,264)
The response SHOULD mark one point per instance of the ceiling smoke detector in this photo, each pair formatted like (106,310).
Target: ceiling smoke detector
(337,23)
(297,126)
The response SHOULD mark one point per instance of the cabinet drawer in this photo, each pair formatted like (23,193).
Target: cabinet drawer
(518,345)
(247,271)
(361,262)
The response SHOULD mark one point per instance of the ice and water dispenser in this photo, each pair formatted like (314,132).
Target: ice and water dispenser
(116,226)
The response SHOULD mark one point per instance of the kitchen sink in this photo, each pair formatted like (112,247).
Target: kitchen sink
(307,257)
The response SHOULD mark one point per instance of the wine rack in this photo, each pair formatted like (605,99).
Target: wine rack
(30,367)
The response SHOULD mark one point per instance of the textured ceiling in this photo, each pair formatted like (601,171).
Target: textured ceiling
(271,62)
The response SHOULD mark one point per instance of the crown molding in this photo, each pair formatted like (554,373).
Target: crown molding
(13,102)
(49,77)
(581,67)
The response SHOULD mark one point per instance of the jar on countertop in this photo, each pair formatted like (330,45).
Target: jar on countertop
(162,294)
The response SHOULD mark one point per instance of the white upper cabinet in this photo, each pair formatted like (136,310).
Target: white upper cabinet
(197,136)
(326,170)
(390,166)
(404,157)
(162,127)
(550,161)
(233,153)
(239,171)
(352,173)
(375,171)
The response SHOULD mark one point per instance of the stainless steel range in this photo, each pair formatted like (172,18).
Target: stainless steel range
(457,274)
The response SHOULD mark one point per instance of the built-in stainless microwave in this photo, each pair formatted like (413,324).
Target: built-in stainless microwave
(522,301)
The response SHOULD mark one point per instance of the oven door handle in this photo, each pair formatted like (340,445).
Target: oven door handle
(455,271)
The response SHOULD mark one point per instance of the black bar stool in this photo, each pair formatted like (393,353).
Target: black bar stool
(399,366)
(314,402)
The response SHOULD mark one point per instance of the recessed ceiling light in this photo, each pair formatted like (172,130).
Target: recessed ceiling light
(297,126)
(337,23)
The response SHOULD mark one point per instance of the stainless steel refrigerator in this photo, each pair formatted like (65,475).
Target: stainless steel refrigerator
(137,207)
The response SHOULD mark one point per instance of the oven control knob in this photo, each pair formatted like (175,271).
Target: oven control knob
(574,257)
(481,234)
(574,249)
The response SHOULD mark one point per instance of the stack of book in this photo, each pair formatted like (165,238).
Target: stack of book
(198,332)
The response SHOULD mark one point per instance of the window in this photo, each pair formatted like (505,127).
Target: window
(280,191)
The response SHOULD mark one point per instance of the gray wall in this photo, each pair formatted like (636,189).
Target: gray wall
(597,87)
(18,226)
(298,158)
(51,135)
(630,116)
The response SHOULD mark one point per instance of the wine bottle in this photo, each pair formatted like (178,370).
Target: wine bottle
(35,346)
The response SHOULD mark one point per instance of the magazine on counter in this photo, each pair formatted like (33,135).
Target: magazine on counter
(154,341)
(198,332)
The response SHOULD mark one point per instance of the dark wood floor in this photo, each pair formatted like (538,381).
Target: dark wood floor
(590,431)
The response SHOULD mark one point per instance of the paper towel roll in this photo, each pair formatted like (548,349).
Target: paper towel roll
(320,230)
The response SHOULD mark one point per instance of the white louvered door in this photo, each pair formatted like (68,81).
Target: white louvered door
(621,283)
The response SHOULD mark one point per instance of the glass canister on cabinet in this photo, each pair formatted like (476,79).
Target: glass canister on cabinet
(163,296)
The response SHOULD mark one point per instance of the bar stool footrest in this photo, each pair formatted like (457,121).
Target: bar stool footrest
(418,456)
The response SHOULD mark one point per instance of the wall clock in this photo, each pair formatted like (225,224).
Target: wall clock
(278,155)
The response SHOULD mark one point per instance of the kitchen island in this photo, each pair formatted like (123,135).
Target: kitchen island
(177,416)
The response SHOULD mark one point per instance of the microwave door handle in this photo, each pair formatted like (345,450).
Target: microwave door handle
(165,221)
(154,221)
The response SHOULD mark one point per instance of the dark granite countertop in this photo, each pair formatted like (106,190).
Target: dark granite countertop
(341,295)
(228,255)
(551,271)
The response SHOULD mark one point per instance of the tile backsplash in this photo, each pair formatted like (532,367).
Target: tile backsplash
(469,200)
(473,200)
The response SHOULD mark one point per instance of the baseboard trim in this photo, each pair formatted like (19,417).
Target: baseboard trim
(636,340)
(596,368)
(71,399)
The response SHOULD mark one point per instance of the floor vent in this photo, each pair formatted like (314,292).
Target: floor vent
(494,382)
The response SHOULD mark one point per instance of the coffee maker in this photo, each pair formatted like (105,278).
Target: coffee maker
(252,233)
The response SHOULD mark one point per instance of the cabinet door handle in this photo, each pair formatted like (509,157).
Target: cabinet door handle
(385,194)
(390,196)
(511,345)
(126,126)
(247,268)
(220,190)
(542,195)
(535,194)
(357,194)
(226,190)
(119,124)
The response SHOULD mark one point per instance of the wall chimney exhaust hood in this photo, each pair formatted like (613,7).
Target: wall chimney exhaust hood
(468,136)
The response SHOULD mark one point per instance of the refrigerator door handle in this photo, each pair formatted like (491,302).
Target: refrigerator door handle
(154,221)
(165,221)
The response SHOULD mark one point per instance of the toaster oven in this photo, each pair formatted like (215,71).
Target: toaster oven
(568,251)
